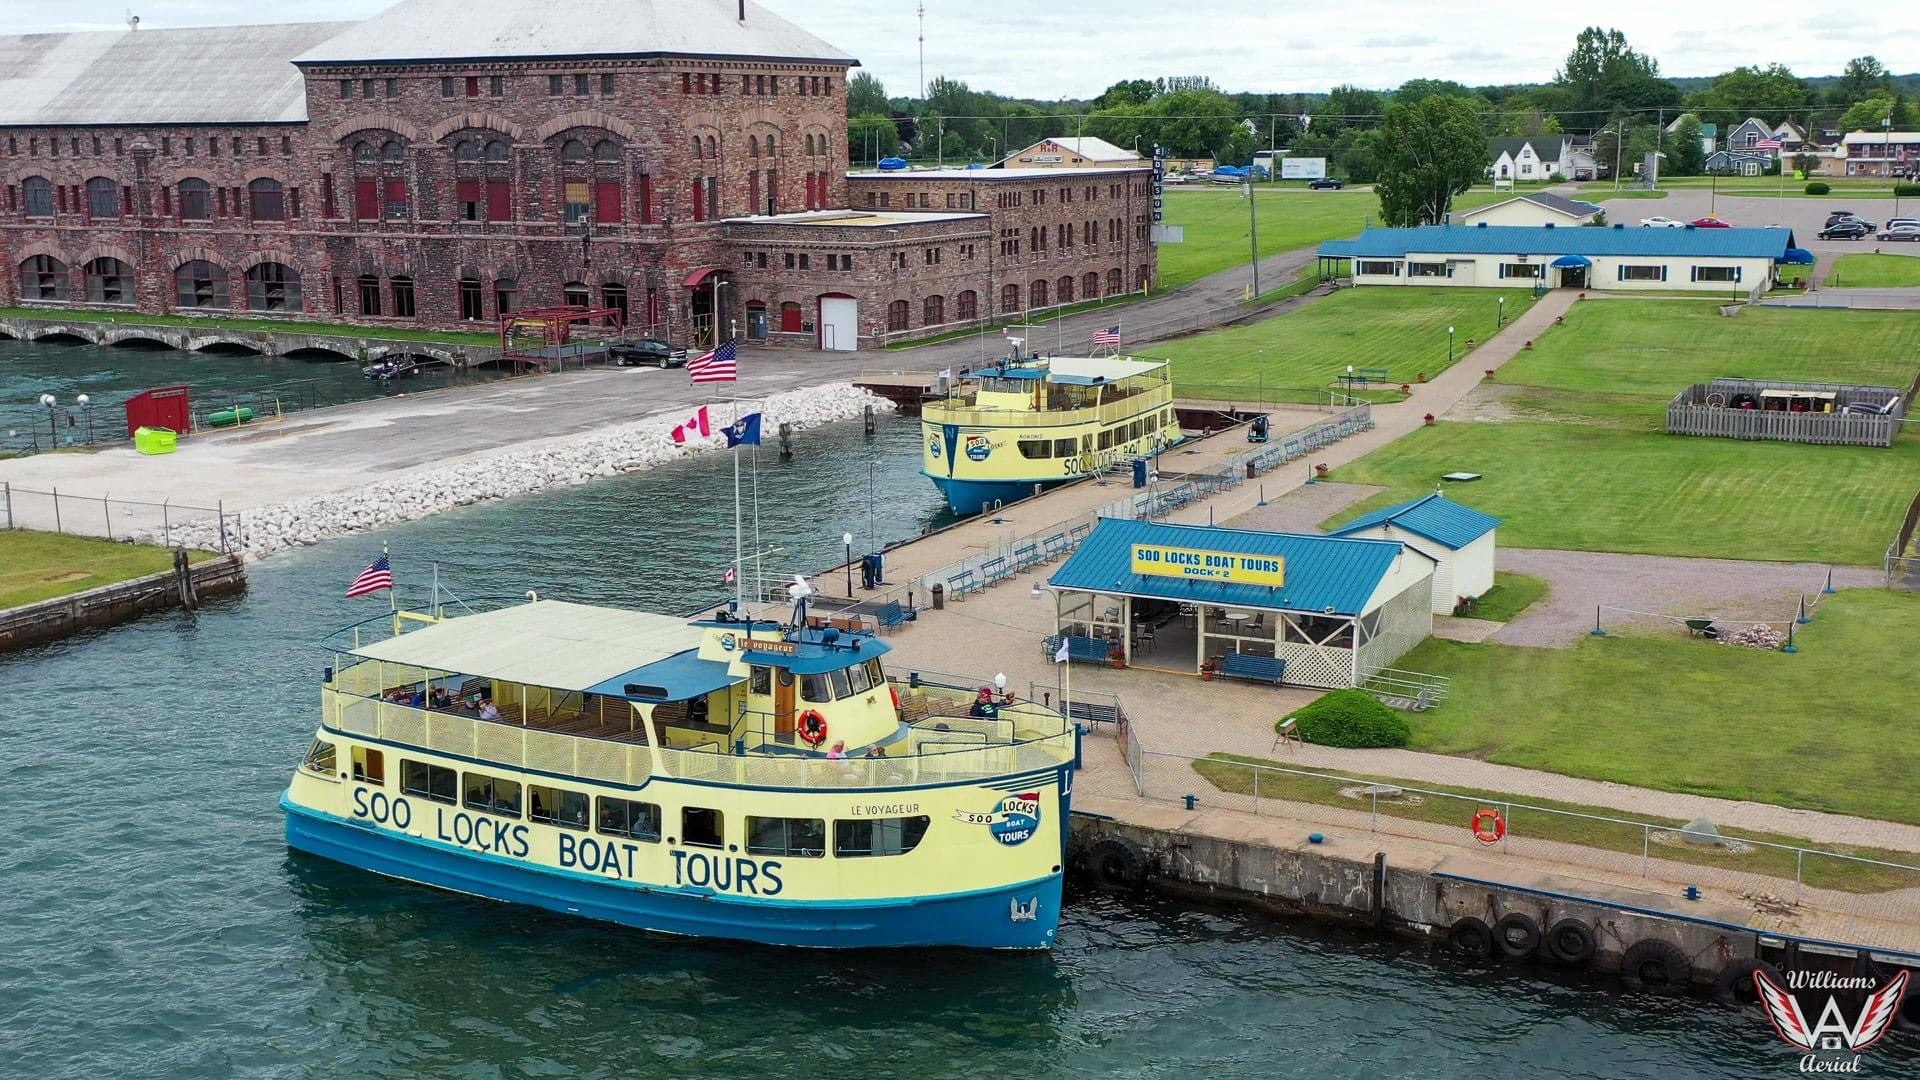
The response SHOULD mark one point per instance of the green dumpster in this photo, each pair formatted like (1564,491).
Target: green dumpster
(155,440)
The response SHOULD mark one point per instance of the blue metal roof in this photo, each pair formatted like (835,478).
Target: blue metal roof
(677,678)
(1435,517)
(813,654)
(1569,240)
(1323,573)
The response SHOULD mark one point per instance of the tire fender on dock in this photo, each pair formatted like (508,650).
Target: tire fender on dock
(1116,864)
(1734,984)
(1516,935)
(1470,936)
(1571,941)
(1657,967)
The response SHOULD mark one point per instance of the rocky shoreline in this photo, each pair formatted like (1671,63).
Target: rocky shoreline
(563,462)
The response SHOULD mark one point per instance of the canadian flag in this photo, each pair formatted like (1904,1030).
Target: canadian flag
(697,424)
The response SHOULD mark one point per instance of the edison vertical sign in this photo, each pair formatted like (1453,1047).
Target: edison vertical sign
(1199,564)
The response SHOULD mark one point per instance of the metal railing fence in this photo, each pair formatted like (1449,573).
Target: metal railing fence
(167,523)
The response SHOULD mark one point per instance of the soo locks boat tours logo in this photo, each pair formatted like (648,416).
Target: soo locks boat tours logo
(979,447)
(1013,821)
(1834,1040)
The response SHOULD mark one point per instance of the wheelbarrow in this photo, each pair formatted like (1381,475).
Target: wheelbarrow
(1702,628)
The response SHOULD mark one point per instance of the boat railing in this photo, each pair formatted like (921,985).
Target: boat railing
(512,745)
(950,411)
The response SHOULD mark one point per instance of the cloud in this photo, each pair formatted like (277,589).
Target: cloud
(1400,41)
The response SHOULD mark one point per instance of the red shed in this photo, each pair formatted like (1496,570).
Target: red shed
(160,407)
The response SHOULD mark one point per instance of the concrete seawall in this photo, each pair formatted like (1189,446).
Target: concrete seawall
(99,328)
(123,600)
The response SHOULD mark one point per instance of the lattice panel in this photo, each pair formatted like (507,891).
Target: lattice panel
(548,752)
(1316,665)
(1405,621)
(450,734)
(601,760)
(497,742)
(403,725)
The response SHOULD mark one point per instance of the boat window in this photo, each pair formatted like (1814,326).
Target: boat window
(369,765)
(1106,439)
(1134,429)
(492,794)
(1036,449)
(624,817)
(1063,448)
(841,688)
(804,838)
(860,678)
(760,680)
(320,758)
(435,782)
(865,837)
(814,688)
(701,827)
(557,806)
(873,672)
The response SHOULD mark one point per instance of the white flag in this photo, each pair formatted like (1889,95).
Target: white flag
(946,373)
(1060,656)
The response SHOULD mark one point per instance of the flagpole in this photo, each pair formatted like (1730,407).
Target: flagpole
(739,555)
(393,600)
(760,556)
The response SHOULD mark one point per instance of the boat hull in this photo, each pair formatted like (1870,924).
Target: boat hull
(995,918)
(969,497)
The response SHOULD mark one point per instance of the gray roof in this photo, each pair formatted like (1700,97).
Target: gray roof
(1547,146)
(223,74)
(498,29)
(1571,207)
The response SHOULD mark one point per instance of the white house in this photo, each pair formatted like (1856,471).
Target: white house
(1531,157)
(1881,153)
(1537,208)
(1722,261)
(1459,539)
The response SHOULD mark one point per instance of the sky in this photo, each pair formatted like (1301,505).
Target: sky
(1076,48)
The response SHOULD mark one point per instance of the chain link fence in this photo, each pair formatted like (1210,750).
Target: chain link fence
(164,523)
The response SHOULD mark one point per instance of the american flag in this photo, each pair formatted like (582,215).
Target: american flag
(716,366)
(373,579)
(1107,339)
(1767,144)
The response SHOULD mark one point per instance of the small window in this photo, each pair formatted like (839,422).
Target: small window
(556,806)
(582,85)
(496,85)
(446,86)
(579,201)
(492,794)
(403,302)
(607,83)
(320,758)
(1716,273)
(624,817)
(859,678)
(841,686)
(865,837)
(700,827)
(800,838)
(1035,449)
(814,688)
(370,766)
(556,85)
(436,783)
(760,680)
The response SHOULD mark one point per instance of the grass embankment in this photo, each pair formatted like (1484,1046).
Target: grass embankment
(1216,224)
(1583,462)
(1875,271)
(1231,772)
(1758,187)
(37,566)
(1302,354)
(243,325)
(1512,593)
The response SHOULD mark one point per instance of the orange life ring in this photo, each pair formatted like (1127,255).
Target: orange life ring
(813,728)
(1488,826)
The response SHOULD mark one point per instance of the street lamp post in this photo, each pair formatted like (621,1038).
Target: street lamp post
(86,406)
(1449,346)
(847,539)
(51,404)
(1349,384)
(1503,314)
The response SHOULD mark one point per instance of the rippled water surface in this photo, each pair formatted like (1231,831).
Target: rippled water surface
(153,924)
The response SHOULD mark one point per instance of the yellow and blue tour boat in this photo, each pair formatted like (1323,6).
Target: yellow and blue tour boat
(1009,430)
(725,777)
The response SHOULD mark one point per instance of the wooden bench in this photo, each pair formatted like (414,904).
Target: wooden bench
(891,614)
(1082,650)
(1370,374)
(1264,669)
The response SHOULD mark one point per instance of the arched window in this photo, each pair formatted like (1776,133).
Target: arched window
(109,281)
(1063,290)
(43,277)
(393,151)
(506,296)
(713,148)
(574,294)
(606,150)
(1009,298)
(1113,281)
(369,294)
(200,284)
(272,286)
(897,314)
(790,320)
(1037,293)
(573,150)
(496,150)
(103,198)
(697,148)
(466,150)
(1090,285)
(196,200)
(966,306)
(265,200)
(365,151)
(772,150)
(933,310)
(38,193)
(753,146)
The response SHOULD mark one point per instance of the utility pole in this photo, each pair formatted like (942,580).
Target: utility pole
(1253,232)
(1619,143)
(923,51)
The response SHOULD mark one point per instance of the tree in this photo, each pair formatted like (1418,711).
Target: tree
(1345,107)
(865,95)
(1126,92)
(1603,73)
(1865,77)
(1428,153)
(1807,163)
(1686,152)
(1772,93)
(1194,123)
(1124,125)
(1871,114)
(1416,90)
(871,136)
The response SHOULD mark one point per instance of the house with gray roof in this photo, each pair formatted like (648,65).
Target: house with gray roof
(1533,208)
(1530,157)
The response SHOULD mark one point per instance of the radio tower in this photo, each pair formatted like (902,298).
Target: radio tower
(923,51)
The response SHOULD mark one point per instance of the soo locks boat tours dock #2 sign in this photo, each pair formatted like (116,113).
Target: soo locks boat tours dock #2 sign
(1012,822)
(1200,564)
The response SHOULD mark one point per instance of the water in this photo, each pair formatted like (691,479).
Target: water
(153,924)
(112,374)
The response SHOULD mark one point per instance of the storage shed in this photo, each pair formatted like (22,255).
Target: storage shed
(1459,539)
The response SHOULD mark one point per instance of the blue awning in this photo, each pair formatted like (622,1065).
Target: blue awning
(1572,262)
(1796,257)
(677,678)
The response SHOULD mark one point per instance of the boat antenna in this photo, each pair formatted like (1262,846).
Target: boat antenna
(798,593)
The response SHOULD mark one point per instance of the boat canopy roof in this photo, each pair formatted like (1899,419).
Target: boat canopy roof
(543,643)
(1072,370)
(677,678)
(814,652)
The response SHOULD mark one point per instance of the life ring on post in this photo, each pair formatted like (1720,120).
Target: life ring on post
(1488,826)
(813,728)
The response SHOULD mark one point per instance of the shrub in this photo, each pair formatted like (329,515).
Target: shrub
(1905,187)
(1818,188)
(1352,719)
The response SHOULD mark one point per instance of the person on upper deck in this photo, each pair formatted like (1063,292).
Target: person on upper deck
(487,710)
(438,698)
(984,706)
(839,751)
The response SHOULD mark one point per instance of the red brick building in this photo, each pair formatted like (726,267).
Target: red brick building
(450,160)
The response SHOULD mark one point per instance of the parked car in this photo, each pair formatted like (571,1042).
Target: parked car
(1854,229)
(1850,218)
(1838,215)
(1711,223)
(648,351)
(1901,232)
(1661,223)
(1176,178)
(1894,223)
(1325,183)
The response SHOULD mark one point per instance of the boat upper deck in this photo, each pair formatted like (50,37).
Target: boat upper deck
(1061,390)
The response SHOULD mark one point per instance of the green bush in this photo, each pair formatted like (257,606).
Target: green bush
(1818,188)
(1352,719)
(1905,188)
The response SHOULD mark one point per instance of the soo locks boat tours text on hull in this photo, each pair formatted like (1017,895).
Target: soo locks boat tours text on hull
(719,778)
(1030,423)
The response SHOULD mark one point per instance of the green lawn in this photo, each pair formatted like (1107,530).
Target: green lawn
(1216,224)
(388,333)
(1234,773)
(1875,271)
(1764,187)
(1828,728)
(39,566)
(1298,355)
(1604,192)
(1512,593)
